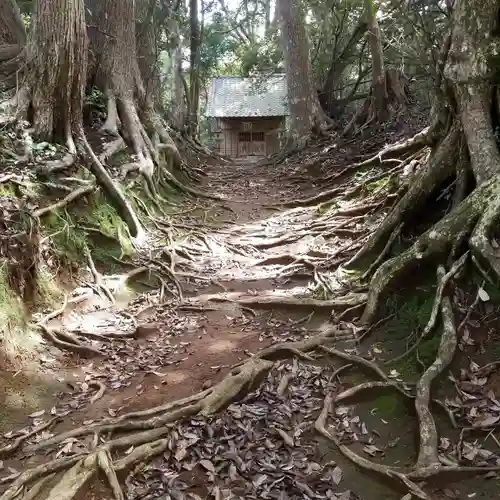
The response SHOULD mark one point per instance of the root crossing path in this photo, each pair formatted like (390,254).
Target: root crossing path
(236,377)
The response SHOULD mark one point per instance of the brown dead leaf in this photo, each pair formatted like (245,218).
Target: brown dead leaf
(207,464)
(337,475)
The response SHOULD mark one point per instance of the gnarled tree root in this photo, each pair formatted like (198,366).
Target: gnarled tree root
(283,301)
(428,449)
(439,167)
(434,243)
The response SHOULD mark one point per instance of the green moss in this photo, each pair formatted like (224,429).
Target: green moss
(428,349)
(7,190)
(326,207)
(68,240)
(411,313)
(389,406)
(104,217)
(411,317)
(379,184)
(120,157)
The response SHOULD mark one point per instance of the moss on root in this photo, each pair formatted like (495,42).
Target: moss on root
(98,227)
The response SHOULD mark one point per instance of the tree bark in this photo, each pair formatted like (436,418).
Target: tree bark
(380,109)
(306,114)
(57,64)
(55,84)
(132,110)
(147,50)
(12,30)
(12,42)
(194,62)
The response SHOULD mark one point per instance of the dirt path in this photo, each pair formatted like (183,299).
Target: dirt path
(174,353)
(251,276)
(177,352)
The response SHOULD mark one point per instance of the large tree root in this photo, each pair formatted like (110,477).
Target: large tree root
(428,450)
(428,464)
(440,166)
(283,301)
(437,242)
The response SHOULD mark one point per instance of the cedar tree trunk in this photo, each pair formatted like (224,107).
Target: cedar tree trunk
(307,116)
(194,62)
(54,88)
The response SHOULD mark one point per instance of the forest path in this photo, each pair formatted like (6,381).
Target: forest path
(179,349)
(250,280)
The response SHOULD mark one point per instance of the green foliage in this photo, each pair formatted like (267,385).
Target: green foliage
(96,99)
(7,190)
(411,317)
(68,240)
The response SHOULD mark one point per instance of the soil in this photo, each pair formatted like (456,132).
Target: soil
(176,352)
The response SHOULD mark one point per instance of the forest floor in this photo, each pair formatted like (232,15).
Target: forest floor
(244,266)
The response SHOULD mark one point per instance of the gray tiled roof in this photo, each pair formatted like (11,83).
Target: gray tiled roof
(234,96)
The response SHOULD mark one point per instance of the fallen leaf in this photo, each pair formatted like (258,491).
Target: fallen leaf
(337,475)
(483,294)
(490,420)
(208,465)
(371,450)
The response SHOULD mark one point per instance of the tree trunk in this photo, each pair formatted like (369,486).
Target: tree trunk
(57,64)
(147,50)
(388,91)
(55,84)
(306,114)
(338,65)
(380,103)
(12,43)
(12,30)
(470,75)
(179,104)
(267,18)
(194,61)
(131,109)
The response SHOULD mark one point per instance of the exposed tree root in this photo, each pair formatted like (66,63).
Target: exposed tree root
(436,242)
(11,448)
(101,390)
(76,346)
(428,450)
(74,195)
(440,166)
(287,378)
(270,302)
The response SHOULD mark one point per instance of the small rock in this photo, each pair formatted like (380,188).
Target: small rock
(146,329)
